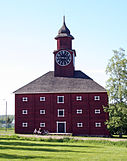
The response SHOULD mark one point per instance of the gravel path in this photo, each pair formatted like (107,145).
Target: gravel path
(76,138)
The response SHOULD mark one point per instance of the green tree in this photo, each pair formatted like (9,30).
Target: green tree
(117,91)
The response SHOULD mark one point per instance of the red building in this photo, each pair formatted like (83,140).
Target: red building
(64,100)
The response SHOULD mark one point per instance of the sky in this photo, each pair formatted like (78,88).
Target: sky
(28,28)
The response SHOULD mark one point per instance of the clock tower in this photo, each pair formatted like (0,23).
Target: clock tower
(64,56)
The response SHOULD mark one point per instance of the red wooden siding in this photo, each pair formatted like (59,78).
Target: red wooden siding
(70,106)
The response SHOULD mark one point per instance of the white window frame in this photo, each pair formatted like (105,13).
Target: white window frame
(79,111)
(96,98)
(42,112)
(42,99)
(59,111)
(42,124)
(78,98)
(24,124)
(97,111)
(60,97)
(24,99)
(24,112)
(79,124)
(97,124)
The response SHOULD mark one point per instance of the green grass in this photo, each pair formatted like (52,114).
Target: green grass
(9,131)
(117,136)
(17,148)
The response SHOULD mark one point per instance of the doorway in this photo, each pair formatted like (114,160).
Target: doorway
(61,127)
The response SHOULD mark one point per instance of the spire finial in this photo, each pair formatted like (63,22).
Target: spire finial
(64,31)
(63,19)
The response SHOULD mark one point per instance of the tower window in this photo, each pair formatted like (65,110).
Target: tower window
(42,124)
(60,112)
(60,99)
(79,124)
(42,111)
(24,112)
(79,111)
(96,98)
(24,99)
(24,124)
(97,124)
(78,98)
(97,111)
(42,98)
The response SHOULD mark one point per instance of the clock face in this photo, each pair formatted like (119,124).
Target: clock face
(63,58)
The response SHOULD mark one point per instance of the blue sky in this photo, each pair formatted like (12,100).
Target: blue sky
(28,28)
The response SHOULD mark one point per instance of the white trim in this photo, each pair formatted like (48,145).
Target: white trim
(84,92)
(60,97)
(24,124)
(42,99)
(79,124)
(42,124)
(64,125)
(42,112)
(24,99)
(73,59)
(24,112)
(97,111)
(97,124)
(96,98)
(79,111)
(78,98)
(59,111)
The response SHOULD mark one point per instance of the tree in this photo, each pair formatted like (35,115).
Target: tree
(117,91)
(9,121)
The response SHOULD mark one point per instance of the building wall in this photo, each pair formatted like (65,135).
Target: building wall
(87,104)
(20,118)
(64,43)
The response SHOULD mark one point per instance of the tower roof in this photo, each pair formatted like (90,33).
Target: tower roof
(64,31)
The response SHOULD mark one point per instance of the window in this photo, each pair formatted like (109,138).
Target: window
(42,124)
(60,112)
(60,99)
(42,111)
(24,124)
(24,112)
(78,98)
(24,99)
(97,111)
(97,124)
(79,111)
(42,98)
(80,124)
(96,98)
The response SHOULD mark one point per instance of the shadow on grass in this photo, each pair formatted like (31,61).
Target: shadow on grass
(21,143)
(17,149)
(24,157)
(40,149)
(7,138)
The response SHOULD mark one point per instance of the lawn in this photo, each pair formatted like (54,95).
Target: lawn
(7,131)
(17,148)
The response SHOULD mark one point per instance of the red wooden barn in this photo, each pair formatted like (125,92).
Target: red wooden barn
(64,100)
